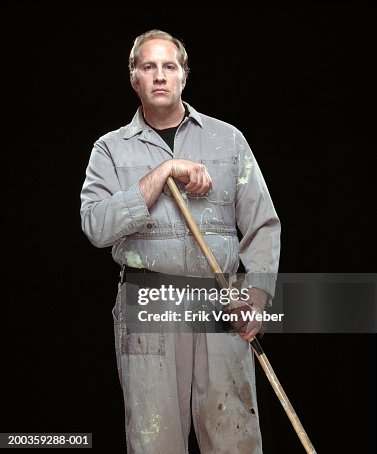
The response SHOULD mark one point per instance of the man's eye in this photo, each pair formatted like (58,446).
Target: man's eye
(170,67)
(147,67)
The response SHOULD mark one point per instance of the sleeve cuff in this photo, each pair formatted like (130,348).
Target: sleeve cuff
(135,203)
(264,281)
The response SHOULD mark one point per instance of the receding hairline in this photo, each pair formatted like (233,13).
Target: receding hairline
(156,34)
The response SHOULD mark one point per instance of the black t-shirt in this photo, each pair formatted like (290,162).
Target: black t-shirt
(168,134)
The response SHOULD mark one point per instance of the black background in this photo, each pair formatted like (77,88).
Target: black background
(299,81)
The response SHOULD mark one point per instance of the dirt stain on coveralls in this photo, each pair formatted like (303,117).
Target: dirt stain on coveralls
(246,397)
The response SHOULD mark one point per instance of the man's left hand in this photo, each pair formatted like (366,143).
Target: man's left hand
(256,304)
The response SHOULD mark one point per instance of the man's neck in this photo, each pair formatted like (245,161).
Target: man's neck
(164,117)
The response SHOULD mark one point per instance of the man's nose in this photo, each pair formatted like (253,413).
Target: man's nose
(159,75)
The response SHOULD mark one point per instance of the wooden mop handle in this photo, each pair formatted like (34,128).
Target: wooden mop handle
(266,366)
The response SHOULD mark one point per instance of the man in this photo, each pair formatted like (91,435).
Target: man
(126,205)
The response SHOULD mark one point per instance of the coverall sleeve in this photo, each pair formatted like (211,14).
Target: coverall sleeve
(258,223)
(108,212)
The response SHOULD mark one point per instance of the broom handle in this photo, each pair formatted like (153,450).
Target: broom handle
(266,366)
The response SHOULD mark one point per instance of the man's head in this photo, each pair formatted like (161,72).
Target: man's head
(157,34)
(158,65)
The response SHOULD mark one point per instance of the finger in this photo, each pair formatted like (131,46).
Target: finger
(251,331)
(206,181)
(190,187)
(195,182)
(248,336)
(200,181)
(208,178)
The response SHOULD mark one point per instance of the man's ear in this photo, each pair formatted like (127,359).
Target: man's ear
(133,83)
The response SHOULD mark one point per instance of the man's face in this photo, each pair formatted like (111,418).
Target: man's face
(158,78)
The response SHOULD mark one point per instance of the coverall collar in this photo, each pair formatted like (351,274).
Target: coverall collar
(138,124)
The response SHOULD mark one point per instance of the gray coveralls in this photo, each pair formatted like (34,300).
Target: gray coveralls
(159,371)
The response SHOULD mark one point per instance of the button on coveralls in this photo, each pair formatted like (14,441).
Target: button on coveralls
(162,374)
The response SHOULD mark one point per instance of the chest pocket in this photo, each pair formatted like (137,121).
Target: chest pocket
(131,175)
(224,181)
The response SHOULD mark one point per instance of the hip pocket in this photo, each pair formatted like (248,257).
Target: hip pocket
(143,344)
(133,343)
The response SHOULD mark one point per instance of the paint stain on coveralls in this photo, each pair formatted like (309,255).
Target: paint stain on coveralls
(148,434)
(133,259)
(201,217)
(244,177)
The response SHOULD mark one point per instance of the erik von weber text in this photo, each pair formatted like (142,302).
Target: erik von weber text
(203,316)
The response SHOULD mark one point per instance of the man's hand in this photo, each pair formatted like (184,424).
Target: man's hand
(254,305)
(193,174)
